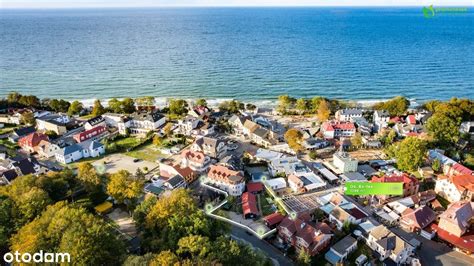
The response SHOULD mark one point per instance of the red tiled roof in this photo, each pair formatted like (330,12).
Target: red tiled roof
(32,140)
(405,178)
(194,156)
(463,182)
(420,217)
(462,169)
(411,119)
(222,173)
(338,125)
(254,187)
(356,213)
(465,242)
(85,135)
(274,218)
(249,203)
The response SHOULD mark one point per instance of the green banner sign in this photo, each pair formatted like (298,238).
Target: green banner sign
(367,188)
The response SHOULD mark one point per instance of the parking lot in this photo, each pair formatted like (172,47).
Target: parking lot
(115,162)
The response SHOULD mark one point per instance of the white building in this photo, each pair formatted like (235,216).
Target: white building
(119,121)
(142,123)
(286,165)
(381,118)
(276,183)
(347,114)
(344,162)
(455,188)
(228,180)
(76,152)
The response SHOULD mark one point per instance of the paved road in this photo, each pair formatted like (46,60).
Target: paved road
(273,253)
(434,253)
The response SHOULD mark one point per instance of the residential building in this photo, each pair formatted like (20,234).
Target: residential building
(168,171)
(347,114)
(312,144)
(286,165)
(467,128)
(196,160)
(237,124)
(95,122)
(258,134)
(276,183)
(46,149)
(410,183)
(53,122)
(339,216)
(249,206)
(450,167)
(458,218)
(455,188)
(31,141)
(76,152)
(20,132)
(381,119)
(144,122)
(10,119)
(228,180)
(175,182)
(417,219)
(363,126)
(12,168)
(119,121)
(344,162)
(337,129)
(212,147)
(189,124)
(305,181)
(304,235)
(389,245)
(91,134)
(341,250)
(273,220)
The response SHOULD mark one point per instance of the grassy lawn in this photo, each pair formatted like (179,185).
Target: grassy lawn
(6,130)
(361,249)
(8,144)
(127,142)
(147,152)
(266,206)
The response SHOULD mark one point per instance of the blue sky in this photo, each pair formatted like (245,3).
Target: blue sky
(197,3)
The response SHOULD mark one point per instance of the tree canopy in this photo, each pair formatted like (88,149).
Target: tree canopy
(409,153)
(98,109)
(294,138)
(396,106)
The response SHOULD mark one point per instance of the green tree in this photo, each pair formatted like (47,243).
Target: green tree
(59,105)
(165,258)
(356,140)
(201,102)
(115,105)
(284,103)
(250,107)
(28,118)
(88,176)
(436,165)
(315,101)
(75,108)
(128,106)
(323,111)
(123,187)
(30,101)
(157,141)
(7,224)
(303,258)
(13,98)
(409,153)
(301,105)
(294,137)
(396,106)
(178,107)
(98,109)
(443,128)
(88,239)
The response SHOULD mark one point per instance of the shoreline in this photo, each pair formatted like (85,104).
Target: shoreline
(213,102)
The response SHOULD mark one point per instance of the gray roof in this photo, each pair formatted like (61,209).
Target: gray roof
(343,245)
(147,116)
(175,180)
(96,120)
(212,142)
(70,149)
(351,111)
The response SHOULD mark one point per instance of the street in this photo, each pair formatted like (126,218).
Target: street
(272,252)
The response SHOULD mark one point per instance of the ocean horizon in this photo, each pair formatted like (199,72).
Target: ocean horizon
(251,54)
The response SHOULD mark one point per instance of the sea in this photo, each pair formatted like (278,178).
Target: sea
(249,54)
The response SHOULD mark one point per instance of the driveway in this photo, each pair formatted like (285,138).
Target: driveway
(272,252)
(116,162)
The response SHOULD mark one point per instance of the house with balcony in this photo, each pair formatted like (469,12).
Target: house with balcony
(195,160)
(388,245)
(304,235)
(348,114)
(338,129)
(212,147)
(53,122)
(233,182)
(143,122)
